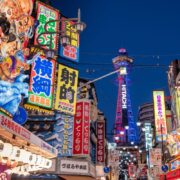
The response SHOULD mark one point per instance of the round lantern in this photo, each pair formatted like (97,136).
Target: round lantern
(6,149)
(48,163)
(15,153)
(32,159)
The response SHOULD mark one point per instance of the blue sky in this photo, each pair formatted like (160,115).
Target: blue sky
(148,29)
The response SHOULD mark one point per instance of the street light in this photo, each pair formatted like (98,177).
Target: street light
(138,123)
(78,27)
(126,127)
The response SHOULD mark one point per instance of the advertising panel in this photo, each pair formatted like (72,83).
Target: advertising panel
(81,139)
(148,135)
(124,103)
(160,115)
(155,156)
(86,132)
(132,171)
(78,129)
(65,134)
(100,142)
(66,90)
(70,51)
(43,35)
(69,166)
(178,105)
(41,82)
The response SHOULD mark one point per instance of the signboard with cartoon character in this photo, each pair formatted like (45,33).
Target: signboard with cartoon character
(16,27)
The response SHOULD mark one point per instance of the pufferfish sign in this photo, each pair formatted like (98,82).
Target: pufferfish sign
(16,28)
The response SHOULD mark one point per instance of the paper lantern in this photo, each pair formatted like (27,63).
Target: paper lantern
(15,153)
(5,149)
(48,163)
(38,160)
(32,159)
(23,156)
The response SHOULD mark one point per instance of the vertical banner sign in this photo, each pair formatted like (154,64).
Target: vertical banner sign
(81,137)
(124,103)
(65,134)
(148,135)
(66,90)
(132,171)
(78,126)
(155,156)
(70,51)
(160,115)
(42,82)
(100,142)
(44,14)
(86,132)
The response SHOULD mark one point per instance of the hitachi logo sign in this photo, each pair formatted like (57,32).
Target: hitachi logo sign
(124,97)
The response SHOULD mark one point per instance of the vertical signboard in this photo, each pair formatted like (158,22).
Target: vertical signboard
(132,171)
(148,135)
(65,134)
(100,142)
(45,14)
(160,115)
(81,133)
(86,132)
(155,156)
(124,103)
(70,51)
(66,90)
(78,126)
(42,82)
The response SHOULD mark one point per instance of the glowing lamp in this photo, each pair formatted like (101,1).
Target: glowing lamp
(64,40)
(80,26)
(126,127)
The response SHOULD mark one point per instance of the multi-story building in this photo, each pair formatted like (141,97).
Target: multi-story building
(145,115)
(174,88)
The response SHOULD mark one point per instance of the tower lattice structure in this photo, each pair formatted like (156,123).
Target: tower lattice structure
(125,125)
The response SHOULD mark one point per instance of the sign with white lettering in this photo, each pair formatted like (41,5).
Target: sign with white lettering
(124,96)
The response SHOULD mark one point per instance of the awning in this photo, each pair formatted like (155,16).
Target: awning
(66,177)
(17,135)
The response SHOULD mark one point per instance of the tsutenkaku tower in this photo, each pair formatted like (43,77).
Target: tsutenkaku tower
(125,125)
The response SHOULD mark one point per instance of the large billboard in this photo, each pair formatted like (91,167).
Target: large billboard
(100,148)
(66,90)
(42,82)
(81,133)
(46,38)
(160,115)
(71,51)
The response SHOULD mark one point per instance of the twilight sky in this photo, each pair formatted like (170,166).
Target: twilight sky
(149,30)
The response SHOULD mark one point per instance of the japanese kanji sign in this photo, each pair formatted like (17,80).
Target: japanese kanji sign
(71,51)
(41,82)
(160,115)
(65,132)
(74,167)
(66,90)
(100,142)
(44,14)
(81,139)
